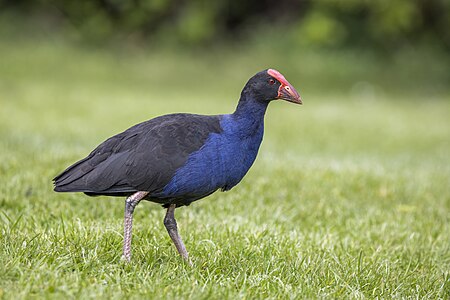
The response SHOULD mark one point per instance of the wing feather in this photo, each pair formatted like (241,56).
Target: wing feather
(142,158)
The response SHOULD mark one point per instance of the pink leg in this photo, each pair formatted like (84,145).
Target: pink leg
(130,204)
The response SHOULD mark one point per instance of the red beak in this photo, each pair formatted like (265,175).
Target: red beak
(286,91)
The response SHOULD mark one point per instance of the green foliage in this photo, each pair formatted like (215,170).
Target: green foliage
(319,29)
(348,198)
(381,24)
(196,24)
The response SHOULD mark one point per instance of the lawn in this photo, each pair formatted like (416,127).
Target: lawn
(349,196)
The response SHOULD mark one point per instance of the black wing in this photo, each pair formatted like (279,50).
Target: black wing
(143,158)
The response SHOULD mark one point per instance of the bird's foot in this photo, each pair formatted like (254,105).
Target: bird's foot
(189,262)
(125,258)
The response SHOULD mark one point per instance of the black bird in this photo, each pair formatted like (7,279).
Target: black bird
(176,159)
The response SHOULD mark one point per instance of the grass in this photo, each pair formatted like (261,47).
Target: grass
(349,197)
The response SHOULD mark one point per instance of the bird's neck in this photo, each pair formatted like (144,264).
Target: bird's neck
(250,113)
(250,109)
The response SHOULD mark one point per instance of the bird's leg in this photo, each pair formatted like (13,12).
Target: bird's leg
(130,204)
(171,226)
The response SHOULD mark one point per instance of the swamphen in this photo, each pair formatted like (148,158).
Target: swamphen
(179,158)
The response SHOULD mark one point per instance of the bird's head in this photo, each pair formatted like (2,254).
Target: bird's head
(270,85)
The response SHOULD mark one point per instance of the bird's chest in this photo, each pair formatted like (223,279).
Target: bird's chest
(232,159)
(221,163)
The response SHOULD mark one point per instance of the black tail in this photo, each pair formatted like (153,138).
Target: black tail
(95,175)
(68,180)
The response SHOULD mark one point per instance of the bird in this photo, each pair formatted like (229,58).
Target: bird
(176,159)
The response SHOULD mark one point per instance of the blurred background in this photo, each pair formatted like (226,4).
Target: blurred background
(120,62)
(328,45)
(380,25)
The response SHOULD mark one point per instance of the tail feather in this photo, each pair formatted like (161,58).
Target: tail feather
(74,172)
(94,177)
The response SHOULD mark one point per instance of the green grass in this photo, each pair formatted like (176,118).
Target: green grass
(349,197)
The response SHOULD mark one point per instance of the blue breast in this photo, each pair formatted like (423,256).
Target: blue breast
(221,163)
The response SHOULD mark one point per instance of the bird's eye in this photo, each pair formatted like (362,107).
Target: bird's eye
(271,81)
